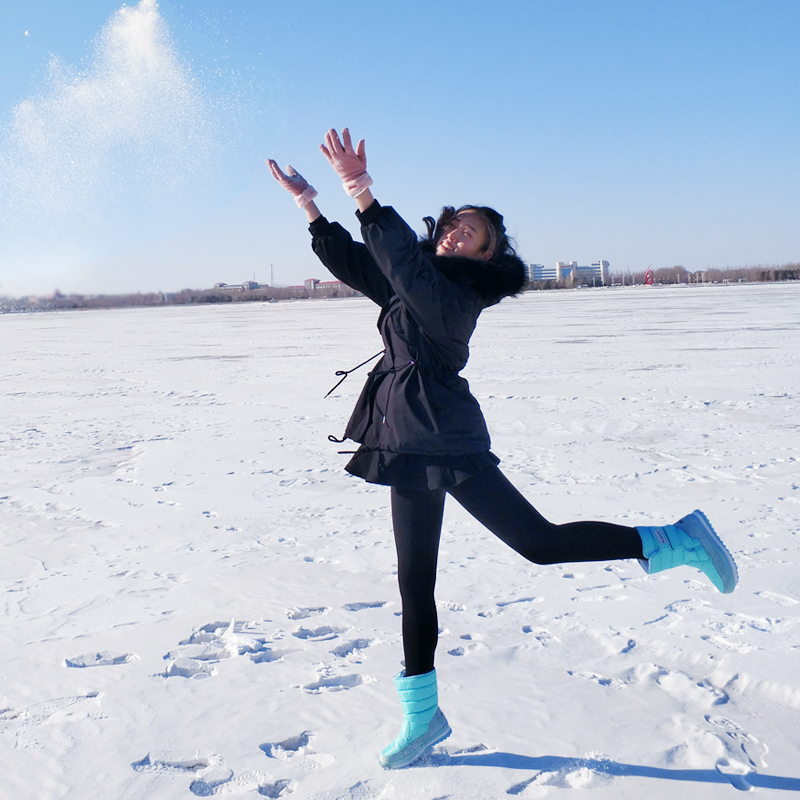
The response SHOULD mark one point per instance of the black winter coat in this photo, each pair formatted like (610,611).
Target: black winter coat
(415,401)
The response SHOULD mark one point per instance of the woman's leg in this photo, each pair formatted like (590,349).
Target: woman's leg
(417,522)
(494,501)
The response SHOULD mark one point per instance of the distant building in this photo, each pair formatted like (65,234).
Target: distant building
(539,272)
(316,285)
(571,273)
(601,269)
(317,288)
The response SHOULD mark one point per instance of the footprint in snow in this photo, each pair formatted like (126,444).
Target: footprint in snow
(290,747)
(268,655)
(610,683)
(321,634)
(585,774)
(103,659)
(365,606)
(780,599)
(736,773)
(448,605)
(748,744)
(464,650)
(599,598)
(680,606)
(363,790)
(609,587)
(297,749)
(201,652)
(223,782)
(216,779)
(40,713)
(697,586)
(215,632)
(214,642)
(334,683)
(305,613)
(352,648)
(278,789)
(474,644)
(176,761)
(330,679)
(542,635)
(519,601)
(504,604)
(737,624)
(729,646)
(188,668)
(683,687)
(666,621)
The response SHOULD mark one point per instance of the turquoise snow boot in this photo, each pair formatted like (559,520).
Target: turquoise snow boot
(693,542)
(424,725)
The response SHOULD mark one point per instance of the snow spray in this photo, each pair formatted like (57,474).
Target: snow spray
(134,120)
(127,149)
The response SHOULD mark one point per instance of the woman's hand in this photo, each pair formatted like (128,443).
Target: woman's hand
(294,183)
(297,186)
(349,163)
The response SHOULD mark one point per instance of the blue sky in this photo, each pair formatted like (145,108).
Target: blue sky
(644,133)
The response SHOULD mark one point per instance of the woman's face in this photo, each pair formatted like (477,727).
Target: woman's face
(464,236)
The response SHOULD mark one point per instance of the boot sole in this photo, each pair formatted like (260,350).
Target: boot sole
(412,755)
(697,526)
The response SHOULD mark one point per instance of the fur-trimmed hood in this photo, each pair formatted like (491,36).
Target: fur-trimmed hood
(499,277)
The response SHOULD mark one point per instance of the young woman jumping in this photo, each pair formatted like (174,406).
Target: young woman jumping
(422,433)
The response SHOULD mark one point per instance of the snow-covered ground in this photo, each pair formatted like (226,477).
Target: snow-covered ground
(199,601)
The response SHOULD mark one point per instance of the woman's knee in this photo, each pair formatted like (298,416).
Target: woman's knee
(533,542)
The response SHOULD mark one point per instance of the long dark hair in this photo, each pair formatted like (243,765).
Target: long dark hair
(497,240)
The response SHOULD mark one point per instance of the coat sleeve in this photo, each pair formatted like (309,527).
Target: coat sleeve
(349,261)
(445,310)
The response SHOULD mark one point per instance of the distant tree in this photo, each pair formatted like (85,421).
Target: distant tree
(754,274)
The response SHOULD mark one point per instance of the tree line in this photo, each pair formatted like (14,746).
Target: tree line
(679,274)
(749,274)
(186,297)
(235,294)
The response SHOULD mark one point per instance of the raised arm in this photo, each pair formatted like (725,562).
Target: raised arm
(443,309)
(347,260)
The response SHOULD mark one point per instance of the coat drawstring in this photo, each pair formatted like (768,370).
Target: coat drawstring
(345,372)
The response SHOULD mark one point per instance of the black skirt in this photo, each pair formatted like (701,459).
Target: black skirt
(418,472)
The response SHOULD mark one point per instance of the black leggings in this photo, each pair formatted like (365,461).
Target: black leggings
(495,502)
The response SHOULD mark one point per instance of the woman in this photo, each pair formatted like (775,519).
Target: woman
(421,431)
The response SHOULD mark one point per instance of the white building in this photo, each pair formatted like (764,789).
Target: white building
(571,272)
(539,272)
(566,270)
(601,269)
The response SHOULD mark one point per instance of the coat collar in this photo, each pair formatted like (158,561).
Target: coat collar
(501,276)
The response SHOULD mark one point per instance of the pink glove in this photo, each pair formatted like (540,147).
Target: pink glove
(350,164)
(294,183)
